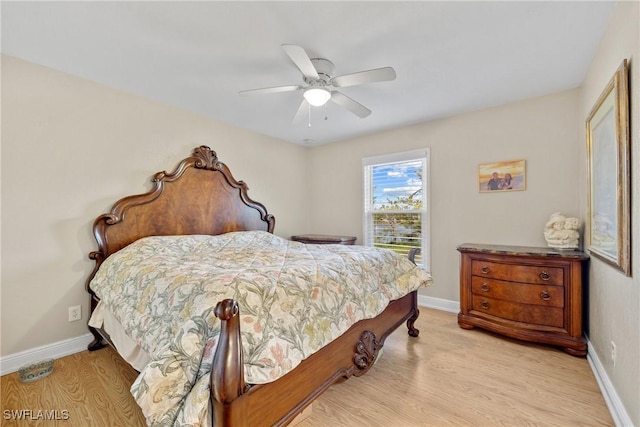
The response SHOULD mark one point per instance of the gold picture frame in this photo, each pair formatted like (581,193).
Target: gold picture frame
(497,177)
(608,174)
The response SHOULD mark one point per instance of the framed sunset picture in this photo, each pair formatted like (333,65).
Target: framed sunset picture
(501,176)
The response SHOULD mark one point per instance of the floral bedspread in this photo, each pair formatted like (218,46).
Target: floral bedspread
(294,299)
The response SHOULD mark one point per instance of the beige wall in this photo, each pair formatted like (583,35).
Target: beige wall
(614,299)
(70,148)
(549,132)
(542,131)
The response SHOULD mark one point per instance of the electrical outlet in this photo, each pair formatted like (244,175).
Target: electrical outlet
(613,353)
(75,313)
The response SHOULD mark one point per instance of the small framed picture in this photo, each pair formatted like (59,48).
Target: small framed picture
(501,176)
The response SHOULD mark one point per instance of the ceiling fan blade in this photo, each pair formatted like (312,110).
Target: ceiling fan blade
(303,110)
(302,60)
(351,105)
(275,89)
(369,76)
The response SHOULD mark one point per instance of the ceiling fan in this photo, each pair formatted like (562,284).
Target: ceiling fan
(320,82)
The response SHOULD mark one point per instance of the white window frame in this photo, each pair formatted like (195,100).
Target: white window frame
(368,211)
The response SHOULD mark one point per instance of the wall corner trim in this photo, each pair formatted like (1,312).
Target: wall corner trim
(618,412)
(13,362)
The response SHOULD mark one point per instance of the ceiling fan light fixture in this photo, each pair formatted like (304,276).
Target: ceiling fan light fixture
(317,96)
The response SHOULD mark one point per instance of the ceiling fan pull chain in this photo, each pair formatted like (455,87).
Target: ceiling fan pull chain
(309,106)
(325,112)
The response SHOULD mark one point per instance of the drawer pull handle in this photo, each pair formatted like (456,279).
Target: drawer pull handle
(545,296)
(485,304)
(485,269)
(544,275)
(485,287)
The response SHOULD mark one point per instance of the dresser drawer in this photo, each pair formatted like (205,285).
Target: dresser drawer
(525,313)
(550,296)
(518,273)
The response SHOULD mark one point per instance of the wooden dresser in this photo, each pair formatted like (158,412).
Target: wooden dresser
(529,293)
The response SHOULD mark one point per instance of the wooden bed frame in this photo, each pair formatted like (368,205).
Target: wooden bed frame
(202,197)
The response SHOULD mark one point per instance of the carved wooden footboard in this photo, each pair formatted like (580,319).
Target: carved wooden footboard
(238,404)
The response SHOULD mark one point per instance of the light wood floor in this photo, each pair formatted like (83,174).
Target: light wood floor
(446,377)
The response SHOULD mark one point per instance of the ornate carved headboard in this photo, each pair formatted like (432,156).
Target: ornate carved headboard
(199,197)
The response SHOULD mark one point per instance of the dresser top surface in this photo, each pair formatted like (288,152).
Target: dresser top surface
(521,251)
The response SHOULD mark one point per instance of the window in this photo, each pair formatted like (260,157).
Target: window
(396,214)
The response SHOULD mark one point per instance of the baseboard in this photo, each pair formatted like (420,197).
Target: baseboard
(439,303)
(13,362)
(621,418)
(618,412)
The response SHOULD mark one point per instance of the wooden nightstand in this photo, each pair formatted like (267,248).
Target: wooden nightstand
(323,239)
(529,293)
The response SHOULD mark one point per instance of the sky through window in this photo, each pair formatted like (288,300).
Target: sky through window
(396,181)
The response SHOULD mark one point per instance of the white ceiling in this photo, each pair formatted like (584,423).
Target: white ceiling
(449,57)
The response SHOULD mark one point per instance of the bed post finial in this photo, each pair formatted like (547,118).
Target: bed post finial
(227,372)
